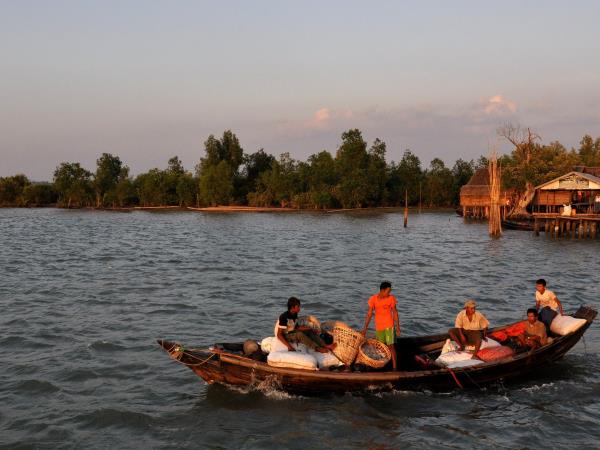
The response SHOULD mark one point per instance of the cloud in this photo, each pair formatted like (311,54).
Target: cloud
(325,116)
(498,105)
(322,120)
(322,116)
(432,129)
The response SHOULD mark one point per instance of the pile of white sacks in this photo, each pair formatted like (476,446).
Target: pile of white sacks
(453,358)
(302,358)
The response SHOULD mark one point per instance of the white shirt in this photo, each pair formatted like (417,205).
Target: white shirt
(548,298)
(478,322)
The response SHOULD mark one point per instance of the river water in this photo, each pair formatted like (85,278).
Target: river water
(84,295)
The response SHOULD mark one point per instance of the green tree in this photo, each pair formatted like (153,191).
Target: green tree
(279,185)
(39,194)
(73,185)
(12,190)
(108,171)
(187,190)
(589,151)
(175,166)
(377,174)
(322,179)
(352,160)
(406,176)
(254,165)
(216,184)
(149,187)
(125,191)
(219,154)
(438,184)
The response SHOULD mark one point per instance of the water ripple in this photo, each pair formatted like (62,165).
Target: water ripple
(84,295)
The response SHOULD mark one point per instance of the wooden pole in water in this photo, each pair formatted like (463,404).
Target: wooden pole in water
(495,222)
(405,207)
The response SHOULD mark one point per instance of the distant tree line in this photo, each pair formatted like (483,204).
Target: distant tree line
(357,176)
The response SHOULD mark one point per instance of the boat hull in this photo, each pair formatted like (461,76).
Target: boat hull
(228,368)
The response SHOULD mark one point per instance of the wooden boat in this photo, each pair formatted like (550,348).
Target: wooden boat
(523,225)
(226,364)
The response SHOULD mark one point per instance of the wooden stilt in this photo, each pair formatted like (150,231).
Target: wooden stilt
(405,208)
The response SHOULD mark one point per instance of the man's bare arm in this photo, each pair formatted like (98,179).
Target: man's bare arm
(282,338)
(367,321)
(396,321)
(560,307)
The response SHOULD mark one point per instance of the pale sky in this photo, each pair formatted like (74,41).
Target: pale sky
(146,80)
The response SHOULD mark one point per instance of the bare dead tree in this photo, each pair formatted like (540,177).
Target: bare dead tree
(524,141)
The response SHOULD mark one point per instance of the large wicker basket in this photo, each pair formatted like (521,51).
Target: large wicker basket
(374,354)
(330,324)
(348,342)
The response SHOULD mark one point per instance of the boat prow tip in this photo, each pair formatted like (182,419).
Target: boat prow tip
(166,345)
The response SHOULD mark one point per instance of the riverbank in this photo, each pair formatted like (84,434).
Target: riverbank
(244,209)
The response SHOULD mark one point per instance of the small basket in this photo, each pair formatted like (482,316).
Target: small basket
(348,342)
(374,354)
(311,322)
(331,324)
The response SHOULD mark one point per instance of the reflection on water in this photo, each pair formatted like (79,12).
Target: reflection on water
(84,294)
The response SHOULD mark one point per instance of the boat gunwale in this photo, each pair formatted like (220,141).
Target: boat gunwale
(243,361)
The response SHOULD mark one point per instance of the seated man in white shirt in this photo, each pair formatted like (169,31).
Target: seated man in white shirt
(546,303)
(470,327)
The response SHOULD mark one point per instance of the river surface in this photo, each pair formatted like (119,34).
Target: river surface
(85,294)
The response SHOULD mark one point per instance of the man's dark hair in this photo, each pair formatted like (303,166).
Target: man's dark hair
(532,311)
(385,285)
(541,281)
(293,301)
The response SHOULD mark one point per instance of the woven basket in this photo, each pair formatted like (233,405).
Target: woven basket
(330,324)
(348,342)
(374,354)
(311,322)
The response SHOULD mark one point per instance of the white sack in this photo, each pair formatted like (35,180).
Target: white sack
(325,360)
(451,346)
(465,363)
(266,343)
(292,360)
(272,344)
(452,357)
(566,324)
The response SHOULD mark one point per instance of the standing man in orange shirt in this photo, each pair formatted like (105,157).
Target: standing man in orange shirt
(387,325)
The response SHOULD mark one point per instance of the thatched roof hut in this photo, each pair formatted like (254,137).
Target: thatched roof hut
(477,191)
(475,195)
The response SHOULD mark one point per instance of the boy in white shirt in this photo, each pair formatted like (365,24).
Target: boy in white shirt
(546,303)
(546,298)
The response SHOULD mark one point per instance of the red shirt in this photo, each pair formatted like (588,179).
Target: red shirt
(384,311)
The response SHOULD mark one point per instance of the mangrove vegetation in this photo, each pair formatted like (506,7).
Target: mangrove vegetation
(357,175)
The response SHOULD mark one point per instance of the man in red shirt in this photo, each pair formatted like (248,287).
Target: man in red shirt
(387,325)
